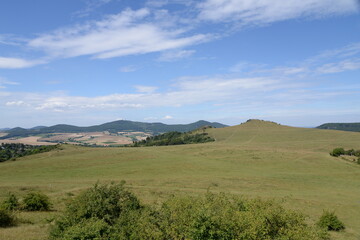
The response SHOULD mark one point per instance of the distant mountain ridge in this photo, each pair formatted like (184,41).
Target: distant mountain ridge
(113,127)
(351,127)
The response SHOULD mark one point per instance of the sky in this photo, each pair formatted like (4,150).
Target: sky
(87,62)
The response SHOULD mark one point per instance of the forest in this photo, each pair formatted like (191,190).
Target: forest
(11,151)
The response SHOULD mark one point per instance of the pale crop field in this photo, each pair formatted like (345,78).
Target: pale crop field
(255,159)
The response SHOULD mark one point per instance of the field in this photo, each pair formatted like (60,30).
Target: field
(254,159)
(90,138)
(27,140)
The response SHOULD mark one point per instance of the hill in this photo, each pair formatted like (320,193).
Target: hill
(112,127)
(352,127)
(253,159)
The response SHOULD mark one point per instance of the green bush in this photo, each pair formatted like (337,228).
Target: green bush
(337,152)
(6,218)
(138,225)
(103,202)
(110,212)
(10,203)
(36,201)
(88,229)
(330,221)
(224,217)
(358,161)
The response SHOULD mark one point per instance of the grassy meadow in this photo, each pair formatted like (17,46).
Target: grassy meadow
(254,159)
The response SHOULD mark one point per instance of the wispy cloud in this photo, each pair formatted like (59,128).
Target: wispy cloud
(13,63)
(168,117)
(91,5)
(187,91)
(253,12)
(346,65)
(332,61)
(127,33)
(175,55)
(15,103)
(4,82)
(155,29)
(145,89)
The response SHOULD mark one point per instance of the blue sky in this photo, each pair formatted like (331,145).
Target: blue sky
(86,62)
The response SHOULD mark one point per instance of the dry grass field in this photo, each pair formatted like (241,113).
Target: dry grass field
(97,138)
(254,159)
(27,140)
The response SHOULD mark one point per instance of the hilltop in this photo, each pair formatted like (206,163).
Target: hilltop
(352,127)
(111,127)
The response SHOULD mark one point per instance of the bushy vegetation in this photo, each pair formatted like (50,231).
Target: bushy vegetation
(353,127)
(36,201)
(174,138)
(10,151)
(112,212)
(94,212)
(6,218)
(330,222)
(10,203)
(336,152)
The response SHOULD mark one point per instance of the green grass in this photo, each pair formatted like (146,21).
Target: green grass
(255,159)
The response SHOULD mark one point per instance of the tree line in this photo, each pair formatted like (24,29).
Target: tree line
(10,151)
(174,138)
(337,152)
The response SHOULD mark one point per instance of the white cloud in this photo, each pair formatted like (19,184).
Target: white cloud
(346,65)
(145,89)
(332,61)
(15,103)
(187,91)
(264,87)
(91,5)
(249,12)
(4,82)
(167,117)
(127,33)
(175,55)
(162,3)
(6,62)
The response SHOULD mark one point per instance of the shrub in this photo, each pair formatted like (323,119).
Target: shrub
(87,230)
(350,152)
(358,161)
(138,225)
(102,202)
(330,221)
(223,217)
(110,212)
(36,201)
(6,218)
(337,152)
(10,203)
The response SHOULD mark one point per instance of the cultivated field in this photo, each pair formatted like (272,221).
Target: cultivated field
(87,138)
(255,159)
(2,134)
(27,140)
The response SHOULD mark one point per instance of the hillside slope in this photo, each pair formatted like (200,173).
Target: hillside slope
(254,159)
(112,127)
(353,127)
